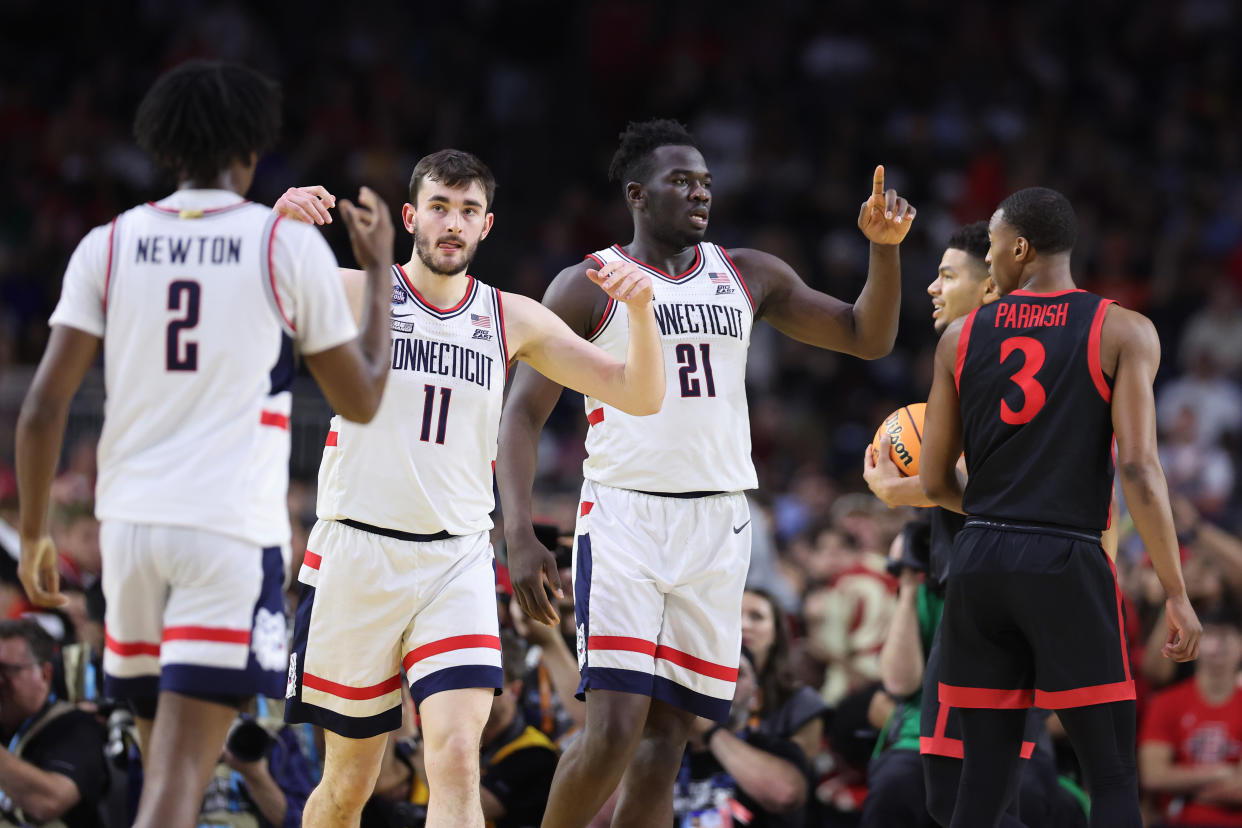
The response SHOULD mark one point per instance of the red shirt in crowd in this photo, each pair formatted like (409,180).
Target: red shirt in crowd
(1200,734)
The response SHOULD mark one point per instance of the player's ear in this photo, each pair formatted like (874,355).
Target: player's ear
(407,217)
(1022,249)
(990,291)
(635,195)
(488,221)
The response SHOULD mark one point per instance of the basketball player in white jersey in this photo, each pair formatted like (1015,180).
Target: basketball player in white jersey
(200,299)
(399,577)
(663,536)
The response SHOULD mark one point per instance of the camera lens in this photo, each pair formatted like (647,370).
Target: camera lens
(248,740)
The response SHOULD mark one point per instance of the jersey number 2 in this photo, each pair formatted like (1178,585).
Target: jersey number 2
(1033,394)
(429,403)
(690,386)
(183,296)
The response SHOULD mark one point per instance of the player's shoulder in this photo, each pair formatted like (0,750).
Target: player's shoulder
(1130,328)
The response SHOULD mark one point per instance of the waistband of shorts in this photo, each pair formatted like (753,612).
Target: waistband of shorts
(1034,527)
(678,495)
(394,533)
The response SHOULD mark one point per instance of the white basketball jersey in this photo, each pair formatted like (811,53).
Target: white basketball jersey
(200,300)
(700,440)
(424,464)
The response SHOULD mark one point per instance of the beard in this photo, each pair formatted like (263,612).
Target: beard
(431,258)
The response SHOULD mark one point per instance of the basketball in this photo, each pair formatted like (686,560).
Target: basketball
(904,428)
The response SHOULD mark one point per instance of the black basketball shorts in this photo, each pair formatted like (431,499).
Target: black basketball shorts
(1033,616)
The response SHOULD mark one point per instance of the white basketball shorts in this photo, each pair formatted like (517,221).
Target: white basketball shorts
(192,612)
(658,587)
(375,606)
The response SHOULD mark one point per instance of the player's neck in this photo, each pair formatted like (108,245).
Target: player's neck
(651,251)
(236,177)
(1050,275)
(436,288)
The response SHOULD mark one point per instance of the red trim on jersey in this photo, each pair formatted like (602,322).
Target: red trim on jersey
(274,418)
(444,645)
(1121,618)
(595,259)
(312,559)
(1093,350)
(629,644)
(626,643)
(737,274)
(215,634)
(698,257)
(331,441)
(464,299)
(585,508)
(344,691)
(1044,295)
(1083,696)
(131,648)
(986,697)
(504,341)
(207,212)
(603,320)
(271,275)
(698,665)
(108,272)
(963,342)
(595,417)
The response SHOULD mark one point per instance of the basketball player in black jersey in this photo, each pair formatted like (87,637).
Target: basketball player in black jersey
(1034,387)
(667,187)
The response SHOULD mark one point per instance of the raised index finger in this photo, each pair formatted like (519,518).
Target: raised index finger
(877,184)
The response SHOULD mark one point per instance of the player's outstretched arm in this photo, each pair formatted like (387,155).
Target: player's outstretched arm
(942,428)
(530,401)
(353,375)
(867,328)
(40,432)
(1133,345)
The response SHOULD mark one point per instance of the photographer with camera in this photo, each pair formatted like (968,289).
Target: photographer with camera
(263,778)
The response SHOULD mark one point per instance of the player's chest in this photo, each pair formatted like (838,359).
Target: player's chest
(463,353)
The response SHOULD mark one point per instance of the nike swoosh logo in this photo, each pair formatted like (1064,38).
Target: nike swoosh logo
(737,530)
(401,315)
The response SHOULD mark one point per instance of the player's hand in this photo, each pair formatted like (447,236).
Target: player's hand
(308,204)
(38,572)
(370,229)
(531,566)
(1182,643)
(885,218)
(886,480)
(624,281)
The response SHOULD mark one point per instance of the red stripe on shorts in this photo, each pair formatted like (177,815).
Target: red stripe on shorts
(331,441)
(344,691)
(131,648)
(596,417)
(312,560)
(985,697)
(1083,696)
(698,665)
(215,634)
(585,508)
(274,418)
(444,645)
(621,642)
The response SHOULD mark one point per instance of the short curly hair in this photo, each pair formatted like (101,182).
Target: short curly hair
(203,115)
(1043,217)
(973,238)
(632,161)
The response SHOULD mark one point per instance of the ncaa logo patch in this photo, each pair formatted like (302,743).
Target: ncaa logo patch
(399,295)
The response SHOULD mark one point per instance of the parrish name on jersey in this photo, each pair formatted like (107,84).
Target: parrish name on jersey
(158,250)
(679,318)
(444,359)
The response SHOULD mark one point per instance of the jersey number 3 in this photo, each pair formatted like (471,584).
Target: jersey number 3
(183,297)
(1033,394)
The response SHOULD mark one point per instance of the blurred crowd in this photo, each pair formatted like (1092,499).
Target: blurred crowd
(1130,109)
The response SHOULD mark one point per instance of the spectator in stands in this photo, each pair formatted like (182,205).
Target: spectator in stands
(737,774)
(1215,400)
(787,708)
(518,759)
(53,766)
(1190,745)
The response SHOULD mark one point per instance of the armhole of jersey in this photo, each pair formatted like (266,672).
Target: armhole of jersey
(963,342)
(108,270)
(500,329)
(1093,350)
(269,275)
(737,274)
(609,308)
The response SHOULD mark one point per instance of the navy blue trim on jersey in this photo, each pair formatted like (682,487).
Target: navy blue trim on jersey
(439,313)
(500,330)
(610,311)
(136,688)
(269,278)
(678,495)
(683,698)
(395,534)
(694,270)
(282,373)
(582,597)
(195,680)
(462,677)
(614,678)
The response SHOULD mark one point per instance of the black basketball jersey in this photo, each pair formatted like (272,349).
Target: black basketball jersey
(1036,415)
